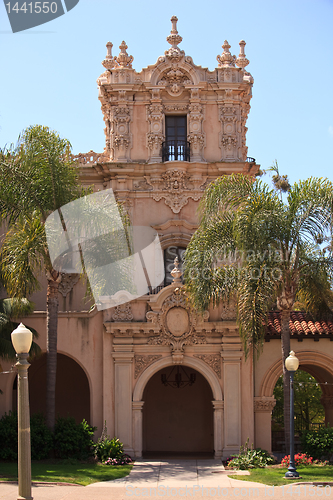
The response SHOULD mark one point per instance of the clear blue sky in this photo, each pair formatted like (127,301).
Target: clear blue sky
(48,73)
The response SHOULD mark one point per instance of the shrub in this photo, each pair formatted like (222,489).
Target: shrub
(72,440)
(8,436)
(249,458)
(109,451)
(41,437)
(300,459)
(318,443)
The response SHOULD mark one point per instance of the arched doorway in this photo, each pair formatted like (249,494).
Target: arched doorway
(72,388)
(318,365)
(178,420)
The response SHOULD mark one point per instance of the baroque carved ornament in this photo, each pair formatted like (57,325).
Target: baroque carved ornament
(213,360)
(142,361)
(67,283)
(176,188)
(176,322)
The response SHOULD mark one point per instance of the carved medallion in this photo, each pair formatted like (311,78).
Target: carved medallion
(177,323)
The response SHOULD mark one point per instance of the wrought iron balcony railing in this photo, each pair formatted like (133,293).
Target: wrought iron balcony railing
(176,150)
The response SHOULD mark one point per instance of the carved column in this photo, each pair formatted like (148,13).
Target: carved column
(218,428)
(137,427)
(231,130)
(120,129)
(327,402)
(195,135)
(123,359)
(155,136)
(263,407)
(232,403)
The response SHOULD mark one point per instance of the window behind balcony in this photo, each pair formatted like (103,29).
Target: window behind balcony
(175,147)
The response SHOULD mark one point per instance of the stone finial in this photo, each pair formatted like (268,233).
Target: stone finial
(176,273)
(226,60)
(109,62)
(124,60)
(174,39)
(241,60)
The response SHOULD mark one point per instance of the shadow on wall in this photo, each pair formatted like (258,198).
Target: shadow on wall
(72,389)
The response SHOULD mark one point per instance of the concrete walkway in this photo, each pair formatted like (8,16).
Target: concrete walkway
(165,479)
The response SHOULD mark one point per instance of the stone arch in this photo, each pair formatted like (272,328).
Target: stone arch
(315,363)
(195,363)
(211,378)
(73,390)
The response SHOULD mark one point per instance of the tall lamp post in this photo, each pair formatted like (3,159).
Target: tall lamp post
(292,364)
(22,339)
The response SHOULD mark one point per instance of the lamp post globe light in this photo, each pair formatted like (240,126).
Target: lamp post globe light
(292,363)
(22,339)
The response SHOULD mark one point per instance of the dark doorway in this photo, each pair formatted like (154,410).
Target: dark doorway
(72,388)
(178,421)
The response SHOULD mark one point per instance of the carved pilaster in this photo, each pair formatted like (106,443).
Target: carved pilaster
(195,136)
(120,117)
(155,136)
(231,131)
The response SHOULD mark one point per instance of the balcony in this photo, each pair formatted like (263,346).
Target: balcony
(175,150)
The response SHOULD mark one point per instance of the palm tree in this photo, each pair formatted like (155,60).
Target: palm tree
(263,249)
(36,178)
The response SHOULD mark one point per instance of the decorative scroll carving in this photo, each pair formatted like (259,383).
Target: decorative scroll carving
(213,360)
(176,187)
(123,312)
(67,283)
(177,323)
(141,362)
(229,311)
(142,185)
(262,404)
(176,107)
(174,80)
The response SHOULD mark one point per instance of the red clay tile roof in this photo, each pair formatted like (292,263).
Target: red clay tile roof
(301,326)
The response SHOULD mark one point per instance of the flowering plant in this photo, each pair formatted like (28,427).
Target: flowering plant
(123,460)
(300,459)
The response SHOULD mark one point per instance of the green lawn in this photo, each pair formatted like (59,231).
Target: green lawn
(62,472)
(275,475)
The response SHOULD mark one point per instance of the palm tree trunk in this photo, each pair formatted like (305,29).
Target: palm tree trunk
(285,348)
(51,346)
